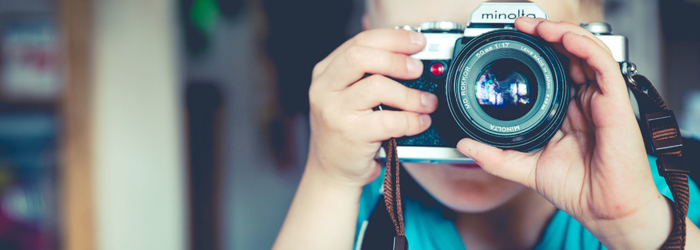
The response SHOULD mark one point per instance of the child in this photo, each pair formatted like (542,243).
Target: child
(592,184)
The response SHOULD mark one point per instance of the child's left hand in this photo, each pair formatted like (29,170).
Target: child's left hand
(595,168)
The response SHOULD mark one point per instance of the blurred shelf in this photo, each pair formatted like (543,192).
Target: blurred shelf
(26,6)
(20,106)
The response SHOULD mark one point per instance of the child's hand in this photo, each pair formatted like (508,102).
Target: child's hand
(345,132)
(595,168)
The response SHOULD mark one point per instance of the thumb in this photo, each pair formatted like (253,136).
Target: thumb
(508,164)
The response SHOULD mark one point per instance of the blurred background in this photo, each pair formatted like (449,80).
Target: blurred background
(182,124)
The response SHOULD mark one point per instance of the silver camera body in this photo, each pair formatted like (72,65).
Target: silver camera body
(444,41)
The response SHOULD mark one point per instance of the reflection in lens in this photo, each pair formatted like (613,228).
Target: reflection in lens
(504,89)
(513,90)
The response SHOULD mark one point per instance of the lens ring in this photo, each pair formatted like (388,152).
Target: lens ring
(530,130)
(466,87)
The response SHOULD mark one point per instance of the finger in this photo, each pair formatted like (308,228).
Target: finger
(377,89)
(400,41)
(579,70)
(588,71)
(507,164)
(611,111)
(575,65)
(600,62)
(576,68)
(385,124)
(576,71)
(553,31)
(528,24)
(584,100)
(359,60)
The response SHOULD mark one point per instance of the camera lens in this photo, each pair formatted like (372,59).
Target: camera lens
(506,89)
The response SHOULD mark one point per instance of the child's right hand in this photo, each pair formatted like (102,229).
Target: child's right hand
(345,132)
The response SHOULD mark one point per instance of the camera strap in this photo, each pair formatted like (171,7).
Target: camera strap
(659,126)
(661,129)
(392,193)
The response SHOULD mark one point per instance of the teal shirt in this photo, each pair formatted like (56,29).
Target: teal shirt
(428,229)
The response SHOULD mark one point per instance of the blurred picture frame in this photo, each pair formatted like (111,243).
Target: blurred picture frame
(29,59)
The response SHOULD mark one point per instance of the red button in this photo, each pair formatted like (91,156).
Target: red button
(437,69)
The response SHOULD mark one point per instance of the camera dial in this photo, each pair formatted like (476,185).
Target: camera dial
(438,27)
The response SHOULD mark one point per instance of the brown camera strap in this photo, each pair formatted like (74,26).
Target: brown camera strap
(392,193)
(665,139)
(661,128)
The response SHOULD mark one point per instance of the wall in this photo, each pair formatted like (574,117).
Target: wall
(137,127)
(255,193)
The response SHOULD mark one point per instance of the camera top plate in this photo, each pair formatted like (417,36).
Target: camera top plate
(505,12)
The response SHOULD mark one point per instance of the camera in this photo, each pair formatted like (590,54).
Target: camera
(494,84)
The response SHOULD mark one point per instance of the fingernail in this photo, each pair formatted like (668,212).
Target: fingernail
(413,64)
(416,38)
(424,120)
(528,19)
(427,99)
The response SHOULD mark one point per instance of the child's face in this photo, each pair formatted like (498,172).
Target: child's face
(464,188)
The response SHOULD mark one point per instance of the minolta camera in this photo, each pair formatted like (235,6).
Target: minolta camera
(494,84)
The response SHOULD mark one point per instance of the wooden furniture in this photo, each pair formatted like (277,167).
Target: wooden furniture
(76,174)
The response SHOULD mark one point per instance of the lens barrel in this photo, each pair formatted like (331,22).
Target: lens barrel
(508,89)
